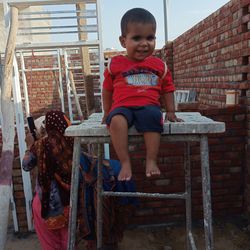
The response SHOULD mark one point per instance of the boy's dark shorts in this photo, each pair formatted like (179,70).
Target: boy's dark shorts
(146,119)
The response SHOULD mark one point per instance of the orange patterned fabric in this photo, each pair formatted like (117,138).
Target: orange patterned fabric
(54,159)
(57,222)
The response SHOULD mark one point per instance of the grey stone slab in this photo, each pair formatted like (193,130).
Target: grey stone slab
(193,123)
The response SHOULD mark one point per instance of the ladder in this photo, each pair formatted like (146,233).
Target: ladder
(73,65)
(73,69)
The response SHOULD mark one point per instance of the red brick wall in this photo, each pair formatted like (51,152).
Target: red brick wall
(166,54)
(42,85)
(18,195)
(214,55)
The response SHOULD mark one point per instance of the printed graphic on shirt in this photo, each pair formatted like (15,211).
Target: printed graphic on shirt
(141,77)
(142,80)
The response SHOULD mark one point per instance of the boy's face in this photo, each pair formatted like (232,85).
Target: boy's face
(139,41)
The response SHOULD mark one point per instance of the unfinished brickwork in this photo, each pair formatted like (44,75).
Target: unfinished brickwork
(213,56)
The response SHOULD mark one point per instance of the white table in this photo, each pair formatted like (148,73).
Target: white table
(194,128)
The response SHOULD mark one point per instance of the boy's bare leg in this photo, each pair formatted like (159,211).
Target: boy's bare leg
(152,142)
(119,136)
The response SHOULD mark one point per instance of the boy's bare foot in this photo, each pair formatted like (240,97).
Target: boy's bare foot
(152,168)
(125,172)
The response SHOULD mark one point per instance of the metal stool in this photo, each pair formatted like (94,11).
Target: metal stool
(92,131)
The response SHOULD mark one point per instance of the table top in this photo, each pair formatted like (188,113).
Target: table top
(194,123)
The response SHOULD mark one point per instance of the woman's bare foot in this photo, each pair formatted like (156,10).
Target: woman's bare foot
(125,172)
(152,168)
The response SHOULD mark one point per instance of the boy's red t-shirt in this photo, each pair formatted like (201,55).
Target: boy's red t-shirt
(137,83)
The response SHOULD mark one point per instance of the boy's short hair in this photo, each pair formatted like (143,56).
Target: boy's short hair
(136,15)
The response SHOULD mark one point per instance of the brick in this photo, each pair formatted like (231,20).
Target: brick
(144,212)
(162,182)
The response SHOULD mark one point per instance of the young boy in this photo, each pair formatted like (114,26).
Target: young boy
(132,88)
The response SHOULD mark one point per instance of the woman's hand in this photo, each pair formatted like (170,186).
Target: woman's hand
(29,139)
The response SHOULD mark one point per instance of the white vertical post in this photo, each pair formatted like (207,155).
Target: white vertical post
(21,142)
(25,88)
(101,62)
(99,27)
(165,9)
(13,210)
(60,79)
(68,85)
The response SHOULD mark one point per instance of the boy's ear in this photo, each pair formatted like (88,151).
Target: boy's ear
(122,41)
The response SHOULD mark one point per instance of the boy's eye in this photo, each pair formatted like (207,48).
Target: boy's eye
(151,38)
(137,38)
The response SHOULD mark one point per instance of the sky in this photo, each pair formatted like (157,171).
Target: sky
(182,15)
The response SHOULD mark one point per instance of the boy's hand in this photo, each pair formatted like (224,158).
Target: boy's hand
(104,118)
(170,116)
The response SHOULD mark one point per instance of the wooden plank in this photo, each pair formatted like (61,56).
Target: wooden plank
(84,51)
(83,37)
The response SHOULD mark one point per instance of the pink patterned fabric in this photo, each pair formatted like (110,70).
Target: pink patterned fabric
(49,239)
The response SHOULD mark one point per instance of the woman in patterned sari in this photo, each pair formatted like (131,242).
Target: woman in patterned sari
(52,154)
